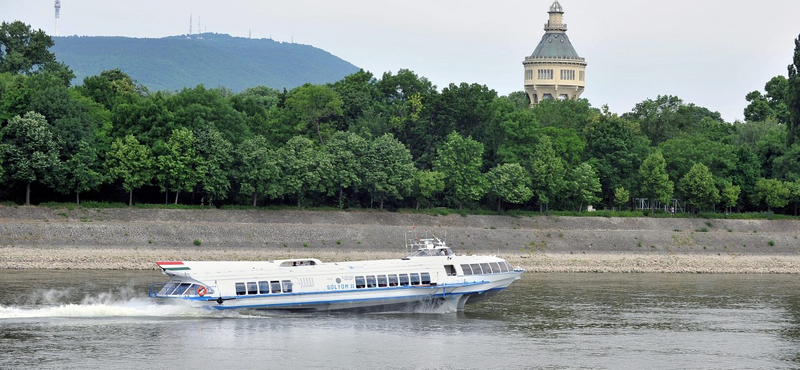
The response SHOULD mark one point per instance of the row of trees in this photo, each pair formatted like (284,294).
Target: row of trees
(368,142)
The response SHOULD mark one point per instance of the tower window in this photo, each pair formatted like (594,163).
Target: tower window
(583,75)
(567,74)
(545,74)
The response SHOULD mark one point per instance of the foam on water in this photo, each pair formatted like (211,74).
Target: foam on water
(123,303)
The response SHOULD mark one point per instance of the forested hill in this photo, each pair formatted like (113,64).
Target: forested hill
(214,60)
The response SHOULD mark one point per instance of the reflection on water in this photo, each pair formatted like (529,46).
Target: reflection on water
(91,319)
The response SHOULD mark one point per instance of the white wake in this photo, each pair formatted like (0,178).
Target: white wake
(123,303)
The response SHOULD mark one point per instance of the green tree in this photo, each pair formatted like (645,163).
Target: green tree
(15,95)
(658,118)
(793,96)
(345,151)
(130,162)
(794,194)
(83,171)
(682,153)
(389,169)
(299,163)
(180,166)
(509,183)
(112,87)
(460,161)
(585,185)
(698,187)
(216,157)
(517,133)
(654,180)
(195,108)
(313,106)
(427,184)
(256,169)
(31,152)
(547,171)
(465,108)
(771,105)
(568,114)
(26,51)
(773,192)
(359,94)
(615,148)
(730,195)
(622,197)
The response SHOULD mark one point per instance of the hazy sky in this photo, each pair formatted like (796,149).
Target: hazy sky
(707,52)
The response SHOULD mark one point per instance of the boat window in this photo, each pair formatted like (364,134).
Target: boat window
(426,278)
(450,270)
(287,286)
(175,289)
(382,281)
(476,269)
(467,270)
(415,279)
(182,288)
(510,268)
(403,279)
(503,267)
(360,282)
(393,280)
(486,268)
(370,281)
(263,287)
(240,289)
(275,286)
(169,287)
(495,267)
(252,287)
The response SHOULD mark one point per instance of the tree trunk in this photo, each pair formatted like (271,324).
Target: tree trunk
(299,199)
(254,199)
(341,196)
(176,196)
(28,194)
(130,198)
(319,133)
(381,203)
(78,198)
(499,205)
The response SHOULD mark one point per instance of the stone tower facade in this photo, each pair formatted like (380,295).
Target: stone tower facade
(554,70)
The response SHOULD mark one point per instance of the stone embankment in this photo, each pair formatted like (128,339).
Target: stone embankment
(38,237)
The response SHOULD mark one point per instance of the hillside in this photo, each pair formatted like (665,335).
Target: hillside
(214,60)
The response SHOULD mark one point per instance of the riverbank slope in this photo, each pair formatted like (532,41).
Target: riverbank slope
(39,237)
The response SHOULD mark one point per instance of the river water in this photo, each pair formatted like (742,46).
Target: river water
(104,320)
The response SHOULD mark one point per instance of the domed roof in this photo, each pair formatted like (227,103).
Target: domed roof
(555,45)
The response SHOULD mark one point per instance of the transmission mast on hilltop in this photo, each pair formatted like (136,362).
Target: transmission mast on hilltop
(57,6)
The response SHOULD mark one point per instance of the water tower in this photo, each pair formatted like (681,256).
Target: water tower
(554,70)
(58,13)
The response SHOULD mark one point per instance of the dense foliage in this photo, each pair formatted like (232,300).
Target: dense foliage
(389,142)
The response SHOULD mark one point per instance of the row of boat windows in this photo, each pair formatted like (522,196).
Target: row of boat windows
(264,287)
(486,268)
(382,281)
